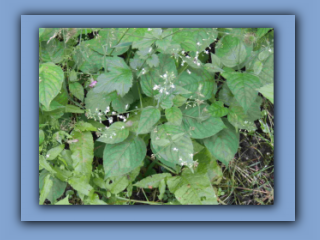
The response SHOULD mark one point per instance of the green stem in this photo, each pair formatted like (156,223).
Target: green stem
(145,195)
(140,96)
(138,201)
(119,40)
(162,165)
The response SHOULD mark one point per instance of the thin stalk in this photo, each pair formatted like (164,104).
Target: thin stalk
(162,165)
(119,40)
(138,201)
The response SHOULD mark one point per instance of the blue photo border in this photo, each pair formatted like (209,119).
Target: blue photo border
(284,206)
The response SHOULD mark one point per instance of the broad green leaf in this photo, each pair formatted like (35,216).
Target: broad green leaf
(257,67)
(116,133)
(82,153)
(61,136)
(118,184)
(73,76)
(149,117)
(45,190)
(152,77)
(73,109)
(192,189)
(52,51)
(267,73)
(54,105)
(162,189)
(62,97)
(199,83)
(194,39)
(87,61)
(224,145)
(80,184)
(152,181)
(208,164)
(48,33)
(238,118)
(243,86)
(77,90)
(231,51)
(57,189)
(66,155)
(215,65)
(121,158)
(178,101)
(119,78)
(43,164)
(262,31)
(217,109)
(196,147)
(50,82)
(134,34)
(93,199)
(41,31)
(54,152)
(199,123)
(62,174)
(225,95)
(174,115)
(170,143)
(267,91)
(98,149)
(84,126)
(64,201)
(98,101)
(153,61)
(41,136)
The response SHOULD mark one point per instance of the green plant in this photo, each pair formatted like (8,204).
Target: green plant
(141,115)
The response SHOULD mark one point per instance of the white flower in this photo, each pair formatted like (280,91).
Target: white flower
(128,115)
(107,128)
(198,64)
(127,106)
(122,127)
(172,85)
(124,120)
(110,119)
(167,93)
(175,149)
(165,75)
(114,134)
(270,50)
(198,43)
(150,49)
(188,71)
(206,51)
(161,90)
(48,155)
(114,113)
(183,52)
(111,136)
(188,56)
(155,87)
(180,158)
(191,155)
(136,106)
(149,29)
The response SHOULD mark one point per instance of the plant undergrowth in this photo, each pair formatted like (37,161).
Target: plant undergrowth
(156,116)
